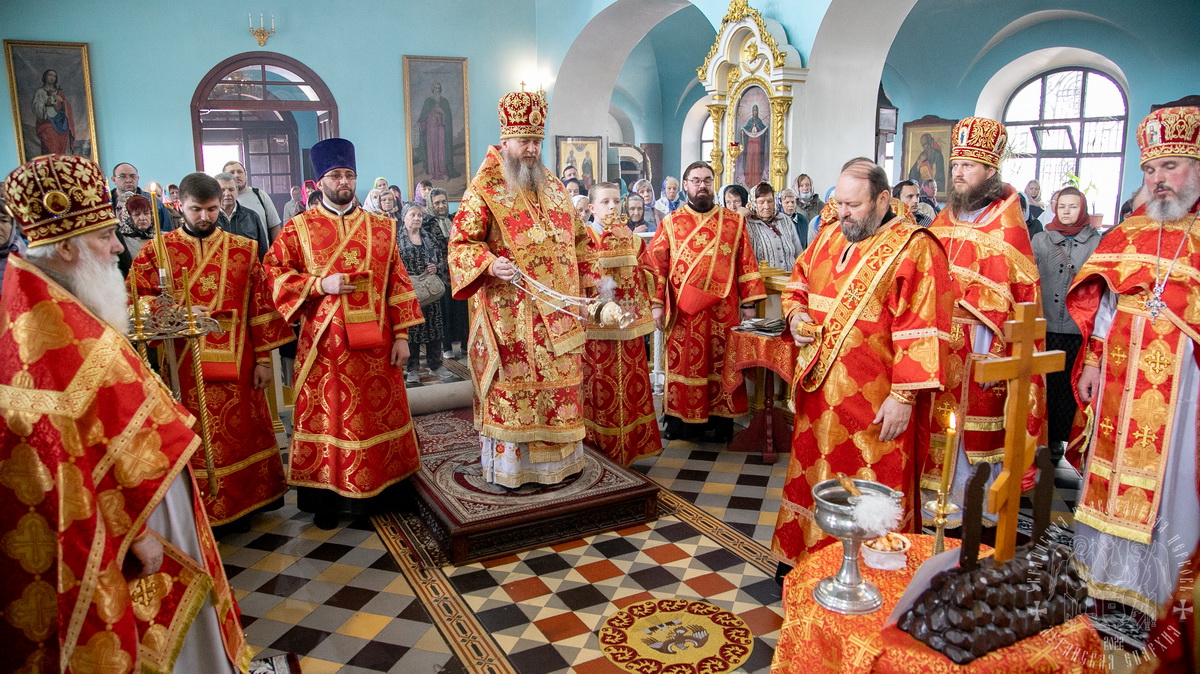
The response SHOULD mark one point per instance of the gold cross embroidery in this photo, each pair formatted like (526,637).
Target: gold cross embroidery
(1157,362)
(208,283)
(945,409)
(351,258)
(1107,425)
(1118,355)
(1146,437)
(854,295)
(956,332)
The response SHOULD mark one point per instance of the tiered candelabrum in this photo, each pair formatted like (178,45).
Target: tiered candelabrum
(161,318)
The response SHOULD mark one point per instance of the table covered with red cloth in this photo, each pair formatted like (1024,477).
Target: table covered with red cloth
(814,639)
(748,349)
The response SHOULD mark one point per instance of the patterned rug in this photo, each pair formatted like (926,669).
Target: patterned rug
(679,636)
(543,610)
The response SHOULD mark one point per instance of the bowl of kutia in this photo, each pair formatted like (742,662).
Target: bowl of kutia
(886,553)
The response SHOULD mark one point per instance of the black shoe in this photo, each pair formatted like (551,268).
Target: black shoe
(325,520)
(672,428)
(721,429)
(238,526)
(781,571)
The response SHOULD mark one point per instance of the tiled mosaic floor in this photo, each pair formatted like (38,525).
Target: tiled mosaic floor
(342,602)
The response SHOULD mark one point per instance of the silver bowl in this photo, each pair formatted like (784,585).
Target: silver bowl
(846,591)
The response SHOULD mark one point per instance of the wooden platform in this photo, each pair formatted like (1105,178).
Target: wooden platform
(474,520)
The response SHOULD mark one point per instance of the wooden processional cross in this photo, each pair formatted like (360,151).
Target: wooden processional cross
(1004,497)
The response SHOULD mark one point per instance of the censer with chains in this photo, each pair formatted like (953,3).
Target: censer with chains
(603,311)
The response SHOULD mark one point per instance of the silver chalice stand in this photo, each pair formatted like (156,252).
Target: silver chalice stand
(846,591)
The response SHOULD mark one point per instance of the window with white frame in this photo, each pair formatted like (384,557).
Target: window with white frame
(1068,127)
(706,139)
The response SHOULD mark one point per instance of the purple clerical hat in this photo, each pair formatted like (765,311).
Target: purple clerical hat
(330,154)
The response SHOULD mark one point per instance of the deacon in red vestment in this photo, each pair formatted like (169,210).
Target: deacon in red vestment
(706,281)
(618,402)
(992,270)
(227,279)
(525,346)
(337,269)
(1137,303)
(109,564)
(869,305)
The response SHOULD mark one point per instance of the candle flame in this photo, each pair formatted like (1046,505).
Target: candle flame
(953,425)
(153,187)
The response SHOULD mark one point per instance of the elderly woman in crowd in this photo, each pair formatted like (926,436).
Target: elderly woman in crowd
(135,228)
(421,254)
(1060,251)
(583,206)
(371,203)
(387,205)
(736,198)
(646,190)
(808,202)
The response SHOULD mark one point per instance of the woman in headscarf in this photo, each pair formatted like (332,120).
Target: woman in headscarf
(421,254)
(1060,250)
(652,217)
(808,202)
(736,198)
(380,183)
(135,228)
(371,203)
(387,205)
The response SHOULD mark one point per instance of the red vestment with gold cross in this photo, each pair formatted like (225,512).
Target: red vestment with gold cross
(883,308)
(353,431)
(618,402)
(226,276)
(992,270)
(704,268)
(526,352)
(1136,514)
(90,444)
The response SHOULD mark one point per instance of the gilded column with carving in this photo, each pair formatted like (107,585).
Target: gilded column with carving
(717,112)
(779,151)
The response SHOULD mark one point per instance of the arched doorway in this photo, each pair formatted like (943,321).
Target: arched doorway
(265,110)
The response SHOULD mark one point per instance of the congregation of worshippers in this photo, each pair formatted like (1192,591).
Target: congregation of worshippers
(150,325)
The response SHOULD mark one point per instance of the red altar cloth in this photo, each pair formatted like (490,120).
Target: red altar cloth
(747,349)
(814,639)
(768,431)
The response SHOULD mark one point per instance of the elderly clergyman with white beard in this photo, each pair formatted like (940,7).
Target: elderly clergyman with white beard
(1137,303)
(525,352)
(105,539)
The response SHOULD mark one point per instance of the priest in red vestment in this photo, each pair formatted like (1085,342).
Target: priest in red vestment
(706,281)
(226,278)
(109,564)
(1137,303)
(336,269)
(869,305)
(992,270)
(618,402)
(516,223)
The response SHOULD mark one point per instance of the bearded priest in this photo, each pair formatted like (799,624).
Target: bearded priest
(991,270)
(336,269)
(526,350)
(226,280)
(109,561)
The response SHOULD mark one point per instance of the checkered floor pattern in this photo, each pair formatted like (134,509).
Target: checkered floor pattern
(341,601)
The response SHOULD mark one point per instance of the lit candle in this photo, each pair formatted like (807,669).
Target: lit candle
(949,454)
(187,297)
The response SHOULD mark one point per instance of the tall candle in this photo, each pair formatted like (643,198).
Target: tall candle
(250,19)
(949,454)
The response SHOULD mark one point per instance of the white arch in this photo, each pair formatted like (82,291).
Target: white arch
(996,92)
(1032,19)
(836,107)
(588,73)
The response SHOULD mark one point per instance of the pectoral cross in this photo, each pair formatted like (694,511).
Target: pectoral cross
(1004,497)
